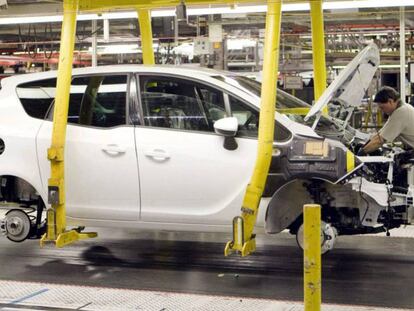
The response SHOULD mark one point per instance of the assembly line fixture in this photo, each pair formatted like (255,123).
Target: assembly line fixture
(243,236)
(244,243)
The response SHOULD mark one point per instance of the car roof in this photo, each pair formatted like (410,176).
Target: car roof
(189,71)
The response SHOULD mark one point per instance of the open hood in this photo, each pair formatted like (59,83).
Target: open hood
(348,89)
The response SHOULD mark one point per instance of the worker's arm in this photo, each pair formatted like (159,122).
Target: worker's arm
(374,143)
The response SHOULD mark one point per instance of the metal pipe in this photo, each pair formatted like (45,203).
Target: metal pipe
(312,257)
(144,18)
(176,31)
(106,29)
(318,48)
(94,44)
(402,53)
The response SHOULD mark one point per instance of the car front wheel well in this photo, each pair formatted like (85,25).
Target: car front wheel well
(285,208)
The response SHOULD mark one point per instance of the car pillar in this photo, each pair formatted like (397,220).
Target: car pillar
(245,242)
(56,214)
(144,18)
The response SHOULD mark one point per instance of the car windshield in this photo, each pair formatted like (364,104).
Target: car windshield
(325,127)
(283,99)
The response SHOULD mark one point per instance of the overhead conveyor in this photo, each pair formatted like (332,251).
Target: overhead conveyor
(244,242)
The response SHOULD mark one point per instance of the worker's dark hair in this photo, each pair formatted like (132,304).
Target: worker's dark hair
(386,93)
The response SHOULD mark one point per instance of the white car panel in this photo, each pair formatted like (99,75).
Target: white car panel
(189,177)
(20,157)
(101,171)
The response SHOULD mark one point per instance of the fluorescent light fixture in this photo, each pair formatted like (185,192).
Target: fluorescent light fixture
(121,49)
(239,44)
(391,66)
(288,7)
(366,4)
(380,66)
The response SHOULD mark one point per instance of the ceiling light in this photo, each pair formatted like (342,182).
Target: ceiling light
(288,7)
(380,66)
(365,4)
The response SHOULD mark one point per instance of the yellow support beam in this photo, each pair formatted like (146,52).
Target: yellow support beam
(107,5)
(318,48)
(299,111)
(144,17)
(56,215)
(312,257)
(244,240)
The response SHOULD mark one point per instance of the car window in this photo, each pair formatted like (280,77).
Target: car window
(180,104)
(98,100)
(37,96)
(248,119)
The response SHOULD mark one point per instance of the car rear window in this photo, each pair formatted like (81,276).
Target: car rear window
(37,96)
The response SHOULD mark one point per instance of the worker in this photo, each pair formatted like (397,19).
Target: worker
(400,123)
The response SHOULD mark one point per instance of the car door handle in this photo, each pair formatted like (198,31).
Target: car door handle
(157,154)
(113,149)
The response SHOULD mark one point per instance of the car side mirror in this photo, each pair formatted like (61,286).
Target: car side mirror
(227,127)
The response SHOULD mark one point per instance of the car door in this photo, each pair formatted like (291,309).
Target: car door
(101,170)
(186,174)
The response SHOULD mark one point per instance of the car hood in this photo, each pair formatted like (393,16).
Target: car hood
(349,88)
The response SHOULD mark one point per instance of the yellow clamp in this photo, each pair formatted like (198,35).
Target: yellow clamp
(55,154)
(238,244)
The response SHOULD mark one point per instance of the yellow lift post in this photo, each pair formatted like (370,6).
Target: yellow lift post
(318,48)
(144,18)
(243,237)
(56,215)
(312,257)
(243,226)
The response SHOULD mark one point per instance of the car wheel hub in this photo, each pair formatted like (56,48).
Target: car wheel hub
(17,225)
(328,237)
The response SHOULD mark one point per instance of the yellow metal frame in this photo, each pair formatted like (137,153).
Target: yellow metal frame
(312,257)
(266,130)
(244,242)
(298,111)
(56,215)
(144,18)
(318,49)
(106,5)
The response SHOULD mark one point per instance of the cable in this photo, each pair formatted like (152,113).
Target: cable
(388,210)
(366,201)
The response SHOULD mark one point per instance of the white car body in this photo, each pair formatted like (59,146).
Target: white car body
(156,172)
(112,182)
